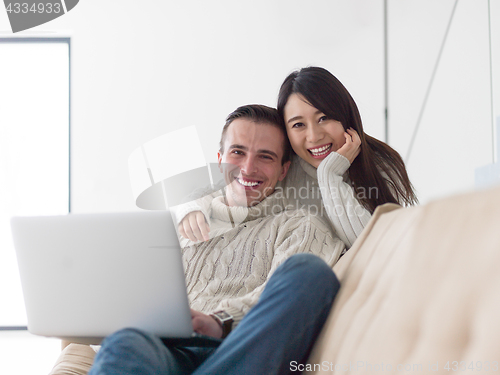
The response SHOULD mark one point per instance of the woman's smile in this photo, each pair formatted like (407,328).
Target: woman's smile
(321,151)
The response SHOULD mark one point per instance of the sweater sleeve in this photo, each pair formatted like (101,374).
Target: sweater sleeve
(201,204)
(299,234)
(347,215)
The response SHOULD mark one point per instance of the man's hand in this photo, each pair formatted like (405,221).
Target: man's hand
(352,145)
(205,324)
(194,227)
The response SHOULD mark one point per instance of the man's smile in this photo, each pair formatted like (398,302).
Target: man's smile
(248,183)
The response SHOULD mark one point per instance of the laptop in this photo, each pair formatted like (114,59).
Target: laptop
(85,276)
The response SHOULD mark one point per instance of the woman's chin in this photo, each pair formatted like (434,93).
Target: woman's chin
(315,161)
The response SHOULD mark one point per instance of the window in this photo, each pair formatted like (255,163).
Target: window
(34,147)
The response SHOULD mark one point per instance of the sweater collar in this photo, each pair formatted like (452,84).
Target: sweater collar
(272,205)
(308,168)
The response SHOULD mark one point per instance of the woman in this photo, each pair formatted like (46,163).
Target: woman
(337,171)
(355,172)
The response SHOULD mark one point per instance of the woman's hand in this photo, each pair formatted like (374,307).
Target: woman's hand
(194,227)
(352,145)
(205,324)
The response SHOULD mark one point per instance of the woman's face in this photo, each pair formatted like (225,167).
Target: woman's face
(312,134)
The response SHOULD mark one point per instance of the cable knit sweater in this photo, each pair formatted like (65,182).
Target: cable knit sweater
(229,271)
(325,191)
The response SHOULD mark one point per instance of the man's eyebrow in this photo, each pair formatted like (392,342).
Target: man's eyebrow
(238,146)
(268,152)
(261,151)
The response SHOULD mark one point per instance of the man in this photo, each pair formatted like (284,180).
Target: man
(247,277)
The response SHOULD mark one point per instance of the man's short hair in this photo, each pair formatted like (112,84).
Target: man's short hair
(261,114)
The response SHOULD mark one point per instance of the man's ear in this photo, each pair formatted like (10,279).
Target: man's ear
(219,159)
(284,170)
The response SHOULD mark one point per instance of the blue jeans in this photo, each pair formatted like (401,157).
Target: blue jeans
(274,337)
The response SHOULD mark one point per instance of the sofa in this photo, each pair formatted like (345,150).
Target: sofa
(420,292)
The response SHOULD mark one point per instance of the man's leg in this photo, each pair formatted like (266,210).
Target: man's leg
(283,326)
(131,351)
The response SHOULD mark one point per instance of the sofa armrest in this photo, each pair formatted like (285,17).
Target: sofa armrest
(75,359)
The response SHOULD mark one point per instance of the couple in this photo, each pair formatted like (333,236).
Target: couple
(268,279)
(345,173)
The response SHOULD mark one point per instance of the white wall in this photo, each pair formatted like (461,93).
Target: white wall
(142,69)
(455,133)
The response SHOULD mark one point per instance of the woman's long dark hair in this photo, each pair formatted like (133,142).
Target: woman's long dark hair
(326,93)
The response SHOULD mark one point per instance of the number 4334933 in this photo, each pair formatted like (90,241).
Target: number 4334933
(33,8)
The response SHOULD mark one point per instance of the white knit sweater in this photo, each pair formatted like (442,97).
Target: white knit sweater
(229,271)
(325,191)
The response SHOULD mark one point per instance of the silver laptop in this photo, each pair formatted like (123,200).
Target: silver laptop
(85,276)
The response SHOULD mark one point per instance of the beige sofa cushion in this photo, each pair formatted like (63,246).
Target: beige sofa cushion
(420,289)
(75,359)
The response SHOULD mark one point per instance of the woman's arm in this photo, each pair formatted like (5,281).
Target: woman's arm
(193,218)
(347,215)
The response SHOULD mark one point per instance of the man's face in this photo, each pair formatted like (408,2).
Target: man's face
(256,151)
